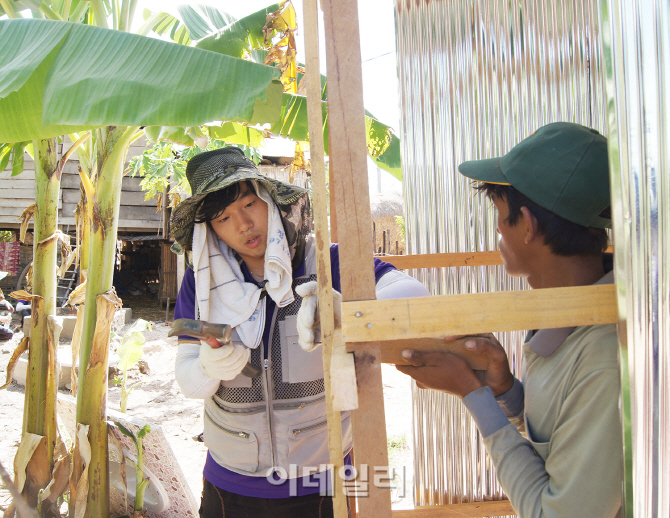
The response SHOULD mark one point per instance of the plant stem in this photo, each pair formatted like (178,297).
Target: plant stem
(8,8)
(39,415)
(112,147)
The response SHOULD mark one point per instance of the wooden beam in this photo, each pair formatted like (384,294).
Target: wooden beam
(467,510)
(348,162)
(406,262)
(324,277)
(391,350)
(430,317)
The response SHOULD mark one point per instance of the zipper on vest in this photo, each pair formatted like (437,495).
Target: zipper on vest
(299,406)
(298,431)
(267,381)
(240,411)
(236,433)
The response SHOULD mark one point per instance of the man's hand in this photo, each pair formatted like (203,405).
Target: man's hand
(450,373)
(223,362)
(309,319)
(497,374)
(4,303)
(440,371)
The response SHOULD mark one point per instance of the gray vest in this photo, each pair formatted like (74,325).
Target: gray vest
(279,418)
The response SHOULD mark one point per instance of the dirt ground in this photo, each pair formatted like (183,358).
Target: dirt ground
(158,400)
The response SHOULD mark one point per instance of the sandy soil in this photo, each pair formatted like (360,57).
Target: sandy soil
(158,400)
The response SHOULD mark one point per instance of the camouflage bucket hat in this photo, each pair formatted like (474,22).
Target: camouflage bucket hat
(215,170)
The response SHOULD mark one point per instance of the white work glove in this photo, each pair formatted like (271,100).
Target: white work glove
(225,362)
(309,320)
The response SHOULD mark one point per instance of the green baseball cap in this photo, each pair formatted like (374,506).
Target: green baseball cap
(563,167)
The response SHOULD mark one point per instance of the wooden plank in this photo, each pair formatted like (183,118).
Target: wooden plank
(405,262)
(349,185)
(426,317)
(467,510)
(126,212)
(10,194)
(27,174)
(127,198)
(391,350)
(147,227)
(18,183)
(324,277)
(70,180)
(15,210)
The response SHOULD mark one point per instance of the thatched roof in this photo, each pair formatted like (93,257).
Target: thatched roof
(387,203)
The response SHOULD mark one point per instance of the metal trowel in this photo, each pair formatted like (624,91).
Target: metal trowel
(203,330)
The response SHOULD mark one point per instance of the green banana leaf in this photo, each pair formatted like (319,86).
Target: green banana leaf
(241,36)
(383,144)
(203,20)
(237,134)
(88,77)
(192,22)
(176,134)
(172,27)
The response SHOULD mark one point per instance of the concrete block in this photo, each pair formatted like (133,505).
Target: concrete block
(122,317)
(68,326)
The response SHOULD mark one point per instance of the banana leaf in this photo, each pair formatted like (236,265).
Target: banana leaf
(203,20)
(87,77)
(235,133)
(241,36)
(383,144)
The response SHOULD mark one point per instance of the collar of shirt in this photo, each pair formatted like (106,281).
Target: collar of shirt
(248,278)
(545,342)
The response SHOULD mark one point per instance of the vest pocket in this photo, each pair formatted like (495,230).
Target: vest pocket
(231,447)
(297,366)
(308,441)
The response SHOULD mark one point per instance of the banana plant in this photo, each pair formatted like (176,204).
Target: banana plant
(129,351)
(42,98)
(141,482)
(266,36)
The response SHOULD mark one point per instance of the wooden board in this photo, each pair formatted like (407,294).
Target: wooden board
(468,510)
(70,179)
(19,182)
(27,174)
(11,212)
(126,212)
(147,227)
(349,186)
(391,349)
(427,317)
(324,277)
(127,198)
(405,262)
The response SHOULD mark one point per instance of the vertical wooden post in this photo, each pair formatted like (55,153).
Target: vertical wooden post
(324,277)
(348,162)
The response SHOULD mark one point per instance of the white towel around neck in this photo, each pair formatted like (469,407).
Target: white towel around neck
(223,297)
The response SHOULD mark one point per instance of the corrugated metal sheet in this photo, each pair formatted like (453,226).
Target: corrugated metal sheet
(475,78)
(636,38)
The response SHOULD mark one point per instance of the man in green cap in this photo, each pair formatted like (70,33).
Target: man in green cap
(555,439)
(252,264)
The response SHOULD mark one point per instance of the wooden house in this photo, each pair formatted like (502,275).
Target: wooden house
(140,225)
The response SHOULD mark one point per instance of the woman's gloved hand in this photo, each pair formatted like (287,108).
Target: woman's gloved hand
(223,362)
(309,320)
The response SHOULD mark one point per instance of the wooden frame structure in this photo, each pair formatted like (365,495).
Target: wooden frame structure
(376,331)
